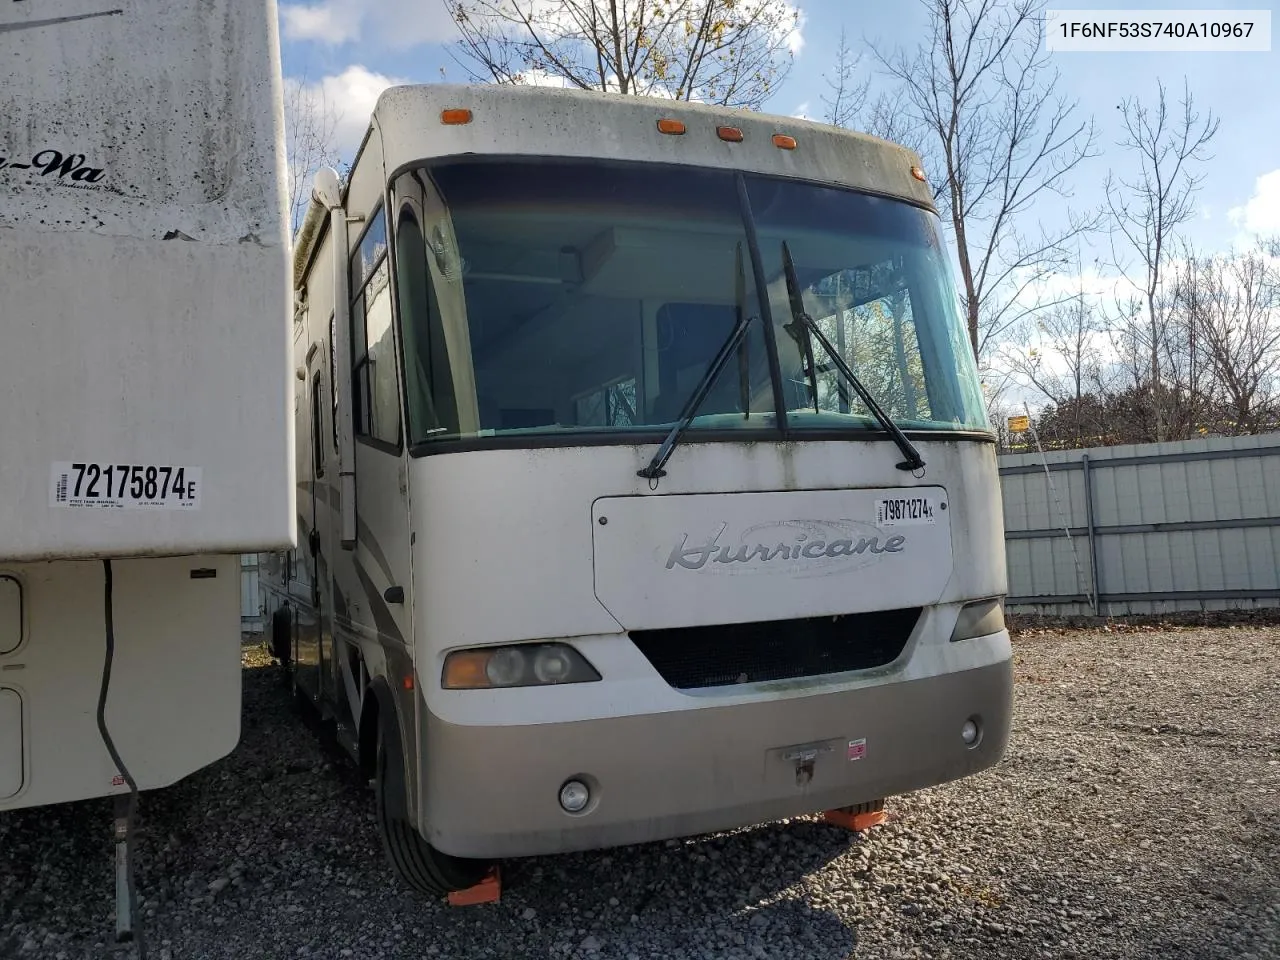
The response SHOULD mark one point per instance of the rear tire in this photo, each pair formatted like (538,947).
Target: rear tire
(420,865)
(282,636)
(871,806)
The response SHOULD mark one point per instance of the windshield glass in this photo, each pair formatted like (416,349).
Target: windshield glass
(544,297)
(874,278)
(581,298)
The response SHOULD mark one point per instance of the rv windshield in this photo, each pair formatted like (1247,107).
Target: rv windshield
(541,298)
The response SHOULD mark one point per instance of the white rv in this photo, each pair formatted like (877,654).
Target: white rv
(145,410)
(645,482)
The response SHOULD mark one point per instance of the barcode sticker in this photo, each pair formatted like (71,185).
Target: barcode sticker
(100,486)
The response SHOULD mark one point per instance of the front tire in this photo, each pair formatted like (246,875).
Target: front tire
(421,866)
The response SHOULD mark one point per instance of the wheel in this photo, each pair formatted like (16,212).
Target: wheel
(282,635)
(420,865)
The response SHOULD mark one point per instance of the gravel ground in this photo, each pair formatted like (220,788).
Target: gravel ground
(1137,814)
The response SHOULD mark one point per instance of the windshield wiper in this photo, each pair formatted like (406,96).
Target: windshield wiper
(654,470)
(800,334)
(744,354)
(806,326)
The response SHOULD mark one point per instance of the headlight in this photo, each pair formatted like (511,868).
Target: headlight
(979,619)
(552,664)
(518,665)
(505,667)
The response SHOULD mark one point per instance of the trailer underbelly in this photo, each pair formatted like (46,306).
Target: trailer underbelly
(173,704)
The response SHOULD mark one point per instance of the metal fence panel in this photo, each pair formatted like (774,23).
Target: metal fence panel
(1150,528)
(250,610)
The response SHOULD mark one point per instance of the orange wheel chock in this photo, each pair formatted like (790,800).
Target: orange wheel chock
(858,822)
(488,890)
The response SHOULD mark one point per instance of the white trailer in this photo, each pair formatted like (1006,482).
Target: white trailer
(645,477)
(145,408)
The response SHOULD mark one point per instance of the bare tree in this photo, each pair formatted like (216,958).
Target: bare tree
(310,129)
(998,383)
(847,92)
(1218,350)
(730,52)
(1001,140)
(1233,304)
(850,104)
(1146,213)
(999,411)
(1067,363)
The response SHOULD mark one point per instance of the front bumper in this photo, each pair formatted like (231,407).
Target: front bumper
(491,791)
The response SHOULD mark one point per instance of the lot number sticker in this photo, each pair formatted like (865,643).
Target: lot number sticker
(125,486)
(894,511)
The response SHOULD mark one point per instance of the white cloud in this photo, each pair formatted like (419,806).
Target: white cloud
(329,22)
(1260,215)
(786,21)
(795,36)
(398,24)
(801,112)
(354,92)
(1042,348)
(351,95)
(541,78)
(544,78)
(1099,287)
(402,24)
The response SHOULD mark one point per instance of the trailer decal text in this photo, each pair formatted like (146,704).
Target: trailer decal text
(58,165)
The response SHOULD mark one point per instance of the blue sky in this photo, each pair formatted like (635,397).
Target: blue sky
(354,47)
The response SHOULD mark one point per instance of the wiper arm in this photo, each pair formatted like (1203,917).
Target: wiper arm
(805,323)
(654,470)
(744,354)
(736,338)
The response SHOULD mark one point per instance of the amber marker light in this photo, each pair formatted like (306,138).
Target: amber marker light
(918,174)
(465,671)
(671,127)
(783,142)
(456,117)
(731,134)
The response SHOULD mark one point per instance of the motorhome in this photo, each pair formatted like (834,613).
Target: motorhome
(645,483)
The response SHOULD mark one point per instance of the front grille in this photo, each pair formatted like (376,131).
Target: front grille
(717,656)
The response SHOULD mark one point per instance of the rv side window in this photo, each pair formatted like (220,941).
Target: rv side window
(429,381)
(375,395)
(333,381)
(317,425)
